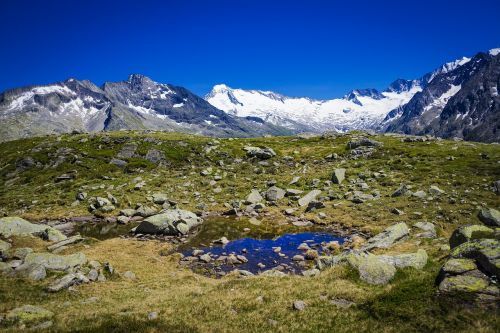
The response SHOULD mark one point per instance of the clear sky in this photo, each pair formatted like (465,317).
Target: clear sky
(320,49)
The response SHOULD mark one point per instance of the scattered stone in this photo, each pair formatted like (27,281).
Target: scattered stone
(416,260)
(67,281)
(490,217)
(55,262)
(311,272)
(159,198)
(436,191)
(342,303)
(299,305)
(388,237)
(254,197)
(305,200)
(338,176)
(68,241)
(260,153)
(429,229)
(205,258)
(402,190)
(298,257)
(129,275)
(152,315)
(274,194)
(397,211)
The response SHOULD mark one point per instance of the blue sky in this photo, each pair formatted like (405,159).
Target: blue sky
(320,49)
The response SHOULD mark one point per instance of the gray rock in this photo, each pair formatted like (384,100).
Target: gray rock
(254,197)
(313,205)
(67,281)
(127,151)
(152,315)
(420,194)
(402,190)
(464,284)
(93,275)
(338,176)
(55,262)
(155,155)
(68,241)
(260,153)
(458,266)
(375,271)
(429,229)
(118,162)
(467,233)
(127,212)
(274,194)
(169,222)
(80,196)
(490,216)
(299,305)
(291,192)
(496,187)
(486,252)
(388,237)
(205,258)
(145,211)
(159,198)
(436,191)
(16,226)
(306,199)
(416,260)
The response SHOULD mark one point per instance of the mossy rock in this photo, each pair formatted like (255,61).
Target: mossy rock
(29,315)
(486,252)
(55,262)
(463,283)
(372,270)
(469,232)
(459,266)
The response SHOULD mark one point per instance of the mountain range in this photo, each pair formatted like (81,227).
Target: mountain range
(458,99)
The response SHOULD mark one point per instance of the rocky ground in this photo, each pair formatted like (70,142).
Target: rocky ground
(117,232)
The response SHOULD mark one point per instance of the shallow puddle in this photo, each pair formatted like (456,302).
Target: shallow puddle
(264,254)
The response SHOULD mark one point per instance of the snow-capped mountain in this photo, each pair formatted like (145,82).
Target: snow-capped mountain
(409,106)
(359,109)
(137,103)
(461,99)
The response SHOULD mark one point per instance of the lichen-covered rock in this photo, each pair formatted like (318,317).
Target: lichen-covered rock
(486,253)
(29,315)
(169,222)
(416,260)
(469,232)
(54,262)
(490,216)
(16,226)
(372,270)
(463,283)
(386,238)
(459,266)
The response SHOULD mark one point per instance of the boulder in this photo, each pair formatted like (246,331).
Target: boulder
(458,266)
(338,175)
(169,222)
(16,226)
(274,193)
(254,197)
(469,232)
(416,260)
(490,216)
(260,153)
(306,199)
(372,270)
(386,238)
(34,272)
(53,261)
(486,253)
(68,241)
(464,283)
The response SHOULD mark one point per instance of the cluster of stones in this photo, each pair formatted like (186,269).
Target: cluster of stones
(473,266)
(24,262)
(378,269)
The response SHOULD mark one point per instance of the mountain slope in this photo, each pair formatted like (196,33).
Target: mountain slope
(460,100)
(137,103)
